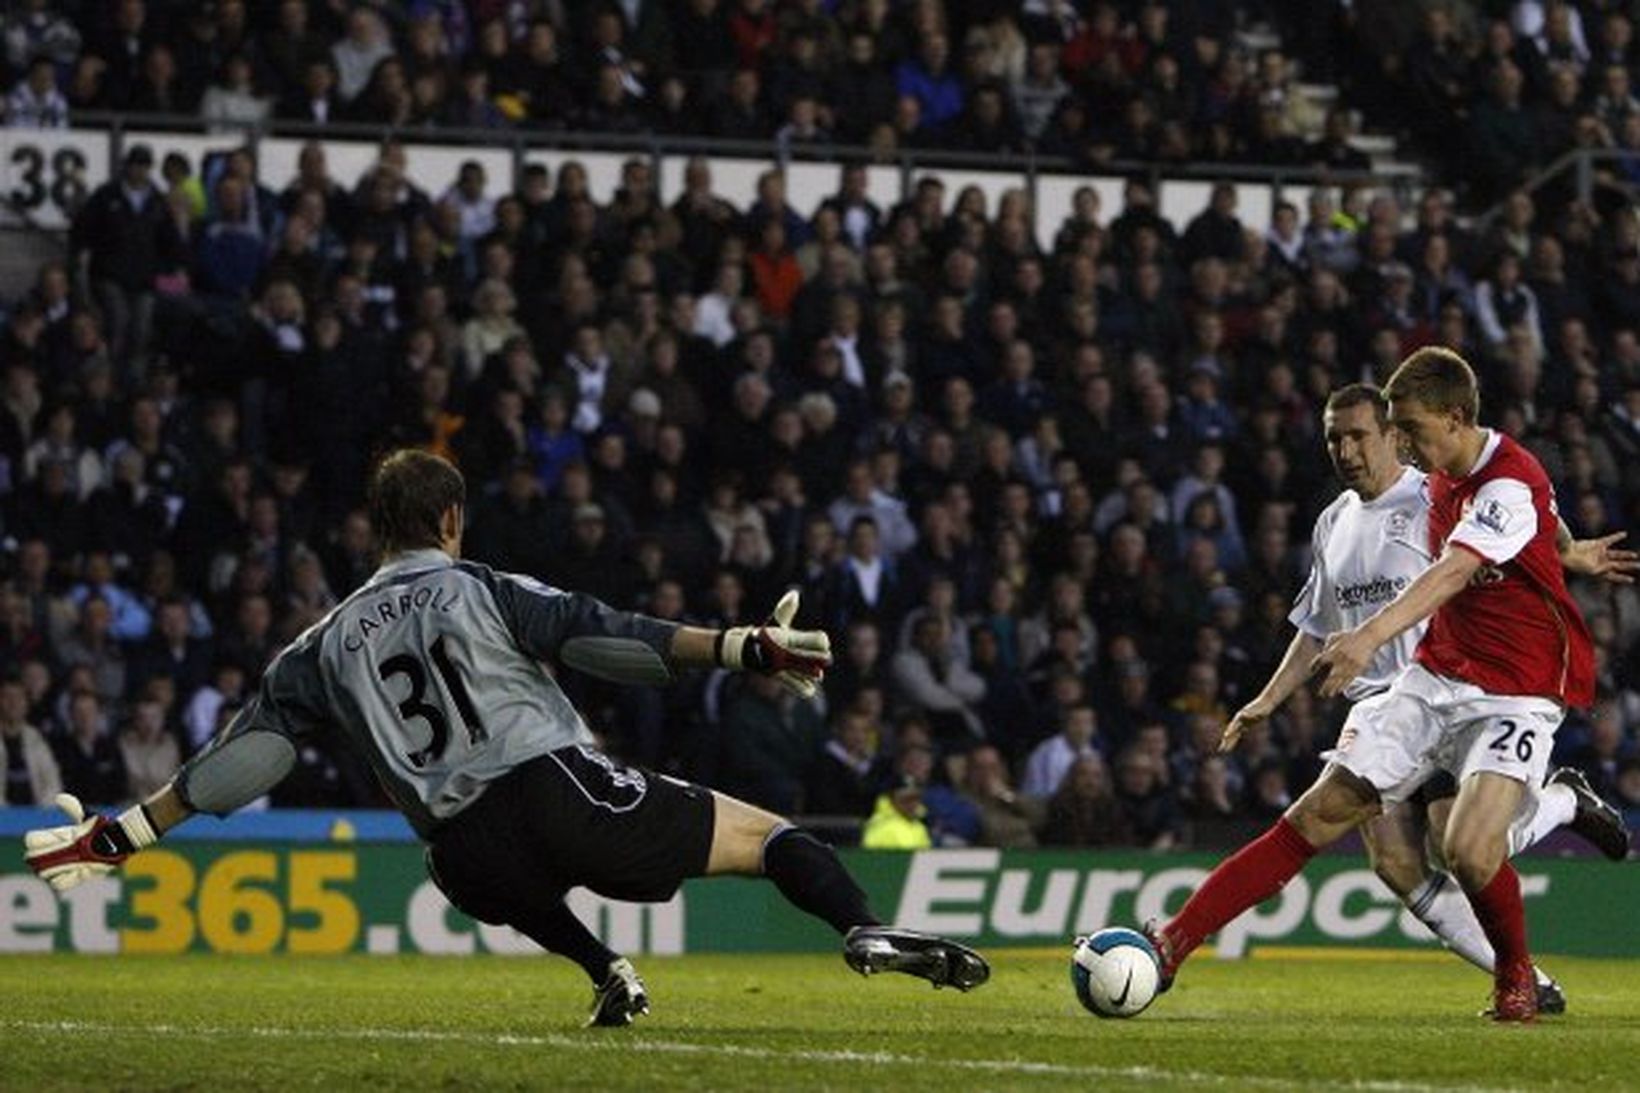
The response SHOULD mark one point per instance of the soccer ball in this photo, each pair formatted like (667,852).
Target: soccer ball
(1115,972)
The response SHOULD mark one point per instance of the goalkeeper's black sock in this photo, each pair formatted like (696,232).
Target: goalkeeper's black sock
(559,931)
(812,877)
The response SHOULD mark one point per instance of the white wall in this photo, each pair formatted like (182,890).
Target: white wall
(433,167)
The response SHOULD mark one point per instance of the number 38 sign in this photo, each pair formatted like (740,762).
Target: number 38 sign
(45,175)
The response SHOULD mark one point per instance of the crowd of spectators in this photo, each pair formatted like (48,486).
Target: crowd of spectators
(1053,503)
(1487,92)
(1159,81)
(1484,91)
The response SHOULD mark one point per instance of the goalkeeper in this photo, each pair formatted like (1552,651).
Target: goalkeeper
(432,672)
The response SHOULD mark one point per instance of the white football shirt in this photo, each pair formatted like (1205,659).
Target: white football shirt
(1364,554)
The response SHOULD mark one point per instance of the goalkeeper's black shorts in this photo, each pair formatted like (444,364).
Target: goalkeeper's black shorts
(573,818)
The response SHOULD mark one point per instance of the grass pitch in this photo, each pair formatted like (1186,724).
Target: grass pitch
(791,1023)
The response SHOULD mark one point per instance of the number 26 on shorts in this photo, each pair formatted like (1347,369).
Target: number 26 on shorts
(1511,740)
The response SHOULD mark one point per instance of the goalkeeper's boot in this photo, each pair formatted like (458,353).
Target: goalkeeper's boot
(1515,993)
(621,997)
(944,963)
(1167,958)
(1595,820)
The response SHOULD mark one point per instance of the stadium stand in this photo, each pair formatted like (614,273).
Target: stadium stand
(930,309)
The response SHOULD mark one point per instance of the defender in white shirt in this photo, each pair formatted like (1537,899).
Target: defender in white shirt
(1368,545)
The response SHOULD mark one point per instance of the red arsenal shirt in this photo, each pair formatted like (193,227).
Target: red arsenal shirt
(1515,629)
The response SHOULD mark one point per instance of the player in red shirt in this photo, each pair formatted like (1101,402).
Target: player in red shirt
(1506,652)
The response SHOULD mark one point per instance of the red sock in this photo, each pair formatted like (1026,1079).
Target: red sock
(1248,877)
(1502,915)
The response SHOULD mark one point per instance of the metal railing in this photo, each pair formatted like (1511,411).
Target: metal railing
(1584,164)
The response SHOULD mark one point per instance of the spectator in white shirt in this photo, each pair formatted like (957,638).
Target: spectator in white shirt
(233,101)
(928,679)
(1040,89)
(1206,476)
(32,29)
(35,103)
(492,325)
(203,714)
(1328,244)
(844,335)
(357,55)
(593,370)
(151,754)
(1553,26)
(714,311)
(940,600)
(1053,758)
(31,773)
(467,197)
(1065,607)
(863,498)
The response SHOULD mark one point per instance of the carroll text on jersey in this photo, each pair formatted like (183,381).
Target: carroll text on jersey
(391,609)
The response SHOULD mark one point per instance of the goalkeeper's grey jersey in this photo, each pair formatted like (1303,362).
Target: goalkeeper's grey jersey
(433,672)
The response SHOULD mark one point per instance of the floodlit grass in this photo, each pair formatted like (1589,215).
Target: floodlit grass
(791,1022)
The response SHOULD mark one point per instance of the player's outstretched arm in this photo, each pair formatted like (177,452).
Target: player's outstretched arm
(94,845)
(248,758)
(1288,677)
(1599,557)
(1346,655)
(627,647)
(797,658)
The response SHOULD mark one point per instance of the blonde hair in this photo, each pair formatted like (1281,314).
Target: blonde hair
(1438,378)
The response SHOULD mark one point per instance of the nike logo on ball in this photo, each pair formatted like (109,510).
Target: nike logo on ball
(1121,999)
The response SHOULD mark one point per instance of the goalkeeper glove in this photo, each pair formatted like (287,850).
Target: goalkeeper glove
(797,658)
(89,847)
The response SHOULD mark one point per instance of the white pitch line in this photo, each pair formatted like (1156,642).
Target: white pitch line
(635,1043)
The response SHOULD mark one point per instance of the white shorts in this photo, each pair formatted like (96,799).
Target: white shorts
(1426,722)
